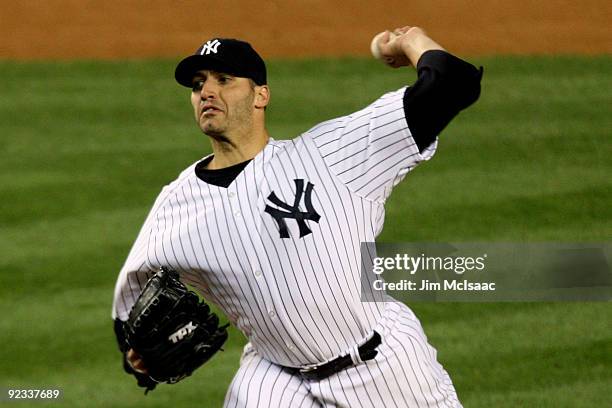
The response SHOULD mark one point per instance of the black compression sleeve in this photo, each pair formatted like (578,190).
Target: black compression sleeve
(445,86)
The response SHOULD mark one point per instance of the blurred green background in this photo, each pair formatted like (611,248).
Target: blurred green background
(86,147)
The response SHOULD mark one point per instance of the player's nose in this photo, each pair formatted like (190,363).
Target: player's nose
(209,90)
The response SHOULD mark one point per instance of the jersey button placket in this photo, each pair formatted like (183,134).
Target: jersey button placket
(234,203)
(257,271)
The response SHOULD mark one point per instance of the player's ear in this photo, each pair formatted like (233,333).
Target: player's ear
(262,96)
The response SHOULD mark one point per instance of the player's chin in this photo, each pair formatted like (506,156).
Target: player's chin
(215,133)
(209,126)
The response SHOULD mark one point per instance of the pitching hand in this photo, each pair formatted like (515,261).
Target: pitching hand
(404,46)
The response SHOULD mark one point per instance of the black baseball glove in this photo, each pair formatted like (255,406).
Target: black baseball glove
(172,330)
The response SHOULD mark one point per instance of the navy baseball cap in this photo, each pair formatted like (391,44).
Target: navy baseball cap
(227,55)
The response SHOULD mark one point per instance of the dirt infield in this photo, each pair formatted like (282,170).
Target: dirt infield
(32,29)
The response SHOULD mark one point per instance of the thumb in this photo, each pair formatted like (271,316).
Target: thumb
(385,38)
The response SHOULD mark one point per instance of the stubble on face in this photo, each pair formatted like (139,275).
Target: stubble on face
(235,121)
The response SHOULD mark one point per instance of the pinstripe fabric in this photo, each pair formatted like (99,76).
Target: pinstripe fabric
(405,373)
(297,299)
(260,383)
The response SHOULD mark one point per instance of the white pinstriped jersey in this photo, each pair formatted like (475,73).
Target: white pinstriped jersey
(297,298)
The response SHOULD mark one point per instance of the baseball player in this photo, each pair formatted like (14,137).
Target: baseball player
(270,230)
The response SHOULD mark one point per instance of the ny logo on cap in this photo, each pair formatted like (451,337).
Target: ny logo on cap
(210,46)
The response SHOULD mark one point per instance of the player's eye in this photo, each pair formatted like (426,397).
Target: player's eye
(223,79)
(197,85)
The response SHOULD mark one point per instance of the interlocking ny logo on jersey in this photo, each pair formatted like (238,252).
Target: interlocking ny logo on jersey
(210,46)
(294,211)
(182,332)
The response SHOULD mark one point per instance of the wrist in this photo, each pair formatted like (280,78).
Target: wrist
(415,43)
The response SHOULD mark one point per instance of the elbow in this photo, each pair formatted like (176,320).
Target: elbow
(471,88)
(475,86)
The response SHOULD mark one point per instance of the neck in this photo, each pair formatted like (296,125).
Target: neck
(229,151)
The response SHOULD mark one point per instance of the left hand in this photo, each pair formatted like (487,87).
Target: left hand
(135,361)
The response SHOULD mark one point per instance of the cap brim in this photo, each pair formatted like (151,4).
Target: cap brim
(188,67)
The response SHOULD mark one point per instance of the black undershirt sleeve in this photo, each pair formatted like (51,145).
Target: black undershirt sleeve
(445,86)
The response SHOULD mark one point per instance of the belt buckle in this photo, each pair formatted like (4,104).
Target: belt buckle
(309,369)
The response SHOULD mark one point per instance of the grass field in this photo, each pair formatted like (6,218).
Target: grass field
(86,147)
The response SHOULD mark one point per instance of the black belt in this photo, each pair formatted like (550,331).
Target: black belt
(367,351)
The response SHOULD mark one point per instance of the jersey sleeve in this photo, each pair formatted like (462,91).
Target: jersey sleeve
(371,150)
(135,272)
